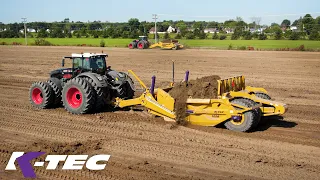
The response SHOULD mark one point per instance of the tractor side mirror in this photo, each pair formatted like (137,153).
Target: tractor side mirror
(62,63)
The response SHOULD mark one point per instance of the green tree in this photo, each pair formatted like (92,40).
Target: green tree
(202,35)
(308,23)
(43,33)
(182,27)
(198,25)
(263,36)
(190,35)
(294,36)
(178,36)
(287,34)
(285,23)
(275,24)
(165,25)
(314,35)
(215,36)
(247,35)
(105,34)
(166,35)
(317,23)
(213,24)
(223,37)
(236,34)
(110,31)
(134,23)
(278,33)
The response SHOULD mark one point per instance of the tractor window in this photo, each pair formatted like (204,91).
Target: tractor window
(98,62)
(77,62)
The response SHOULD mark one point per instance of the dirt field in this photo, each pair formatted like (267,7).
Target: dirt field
(142,147)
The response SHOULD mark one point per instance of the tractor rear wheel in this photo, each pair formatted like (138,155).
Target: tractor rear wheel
(41,95)
(247,121)
(101,93)
(141,45)
(78,96)
(55,84)
(131,46)
(263,96)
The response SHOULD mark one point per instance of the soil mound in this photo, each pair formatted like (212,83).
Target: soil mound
(205,87)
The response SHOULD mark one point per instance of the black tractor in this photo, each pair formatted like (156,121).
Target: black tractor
(88,86)
(141,43)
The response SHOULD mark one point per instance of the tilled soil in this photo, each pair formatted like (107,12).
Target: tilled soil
(143,147)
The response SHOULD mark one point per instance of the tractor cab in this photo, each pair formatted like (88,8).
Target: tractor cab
(85,62)
(143,38)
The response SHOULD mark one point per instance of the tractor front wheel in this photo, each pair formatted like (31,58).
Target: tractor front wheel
(78,96)
(41,95)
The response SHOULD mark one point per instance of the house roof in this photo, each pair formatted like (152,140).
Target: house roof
(210,29)
(152,29)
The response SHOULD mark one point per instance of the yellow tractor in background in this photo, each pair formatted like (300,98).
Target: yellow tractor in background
(144,43)
(167,44)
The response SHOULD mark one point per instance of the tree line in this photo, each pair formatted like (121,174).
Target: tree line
(306,27)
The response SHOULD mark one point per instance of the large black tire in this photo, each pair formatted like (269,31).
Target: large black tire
(175,48)
(56,86)
(41,95)
(132,45)
(78,96)
(258,112)
(101,93)
(247,123)
(141,45)
(263,96)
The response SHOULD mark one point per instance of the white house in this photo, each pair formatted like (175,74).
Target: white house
(171,29)
(210,30)
(31,30)
(294,28)
(28,30)
(152,31)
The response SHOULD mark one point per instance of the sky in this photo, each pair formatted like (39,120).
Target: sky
(122,10)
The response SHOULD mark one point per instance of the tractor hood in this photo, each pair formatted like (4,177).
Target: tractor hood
(120,78)
(60,71)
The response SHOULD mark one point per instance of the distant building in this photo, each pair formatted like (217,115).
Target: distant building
(229,30)
(190,29)
(152,30)
(294,28)
(28,30)
(171,29)
(210,30)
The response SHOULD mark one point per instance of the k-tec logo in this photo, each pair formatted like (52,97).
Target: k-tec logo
(71,162)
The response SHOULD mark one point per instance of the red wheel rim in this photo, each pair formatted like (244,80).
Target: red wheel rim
(140,45)
(74,97)
(130,46)
(37,97)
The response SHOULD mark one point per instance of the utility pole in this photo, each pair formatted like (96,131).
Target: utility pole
(155,17)
(25,30)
